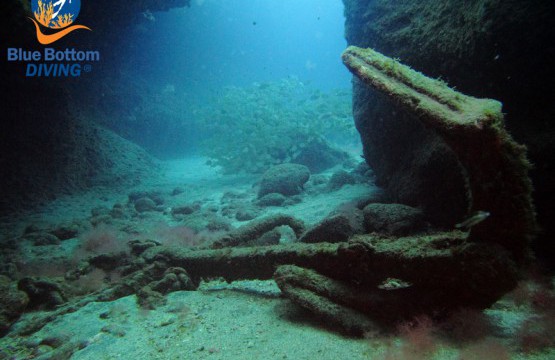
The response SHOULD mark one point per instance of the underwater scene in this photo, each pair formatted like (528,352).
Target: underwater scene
(277,179)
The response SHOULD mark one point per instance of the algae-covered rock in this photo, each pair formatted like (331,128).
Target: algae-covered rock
(285,179)
(271,199)
(145,204)
(393,219)
(335,228)
(318,156)
(12,303)
(339,179)
(43,293)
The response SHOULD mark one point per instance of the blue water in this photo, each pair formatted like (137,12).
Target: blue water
(217,43)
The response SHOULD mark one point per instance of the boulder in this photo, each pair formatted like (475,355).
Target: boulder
(271,199)
(145,204)
(285,179)
(12,303)
(393,219)
(339,179)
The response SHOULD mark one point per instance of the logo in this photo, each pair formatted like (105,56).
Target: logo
(57,15)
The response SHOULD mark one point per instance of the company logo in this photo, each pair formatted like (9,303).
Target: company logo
(57,15)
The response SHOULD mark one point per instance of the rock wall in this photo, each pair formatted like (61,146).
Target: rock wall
(485,48)
(45,148)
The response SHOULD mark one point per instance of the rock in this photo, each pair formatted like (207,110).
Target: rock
(229,196)
(145,204)
(66,231)
(185,209)
(318,156)
(292,200)
(118,211)
(271,199)
(12,303)
(218,224)
(333,229)
(177,191)
(340,179)
(99,211)
(318,179)
(102,219)
(109,261)
(285,179)
(393,219)
(246,214)
(42,293)
(152,195)
(42,238)
(376,196)
(139,246)
(31,228)
(336,228)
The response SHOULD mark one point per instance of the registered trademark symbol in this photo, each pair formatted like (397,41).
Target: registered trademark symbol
(87,68)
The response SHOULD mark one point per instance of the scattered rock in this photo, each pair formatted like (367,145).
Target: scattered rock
(12,303)
(318,179)
(152,195)
(246,214)
(102,219)
(176,191)
(292,200)
(99,211)
(218,224)
(139,246)
(118,211)
(109,261)
(393,219)
(286,179)
(114,330)
(66,231)
(42,293)
(340,179)
(42,238)
(336,228)
(31,228)
(318,155)
(271,199)
(145,204)
(232,195)
(376,196)
(185,209)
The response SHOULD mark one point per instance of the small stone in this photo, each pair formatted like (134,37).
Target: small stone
(184,210)
(393,219)
(286,179)
(66,231)
(245,215)
(340,179)
(145,204)
(271,199)
(176,191)
(42,239)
